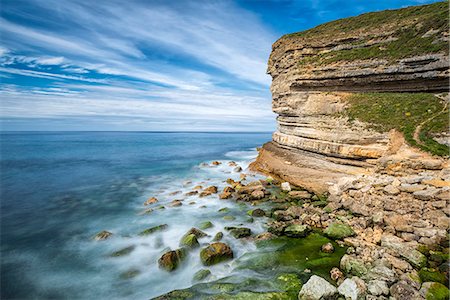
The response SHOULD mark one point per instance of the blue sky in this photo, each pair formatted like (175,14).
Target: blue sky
(149,65)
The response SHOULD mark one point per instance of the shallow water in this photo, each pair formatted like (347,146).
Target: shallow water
(60,189)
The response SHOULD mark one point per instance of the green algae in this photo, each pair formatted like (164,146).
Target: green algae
(437,291)
(338,231)
(432,275)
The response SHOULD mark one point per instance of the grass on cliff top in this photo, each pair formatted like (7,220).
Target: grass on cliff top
(410,24)
(404,112)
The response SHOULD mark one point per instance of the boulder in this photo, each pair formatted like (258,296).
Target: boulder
(257,195)
(154,229)
(297,230)
(402,290)
(338,231)
(434,291)
(353,288)
(103,235)
(378,287)
(381,272)
(205,225)
(189,241)
(123,252)
(216,163)
(215,253)
(218,236)
(237,169)
(404,250)
(257,213)
(197,232)
(239,232)
(209,191)
(170,260)
(353,265)
(151,200)
(316,288)
(175,203)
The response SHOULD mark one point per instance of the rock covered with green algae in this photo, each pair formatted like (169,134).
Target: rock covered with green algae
(239,232)
(297,230)
(205,225)
(432,275)
(123,252)
(285,254)
(338,231)
(189,241)
(216,253)
(170,260)
(154,229)
(434,291)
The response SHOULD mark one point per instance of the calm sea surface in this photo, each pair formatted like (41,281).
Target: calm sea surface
(60,189)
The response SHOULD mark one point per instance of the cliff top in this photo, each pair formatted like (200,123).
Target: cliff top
(390,34)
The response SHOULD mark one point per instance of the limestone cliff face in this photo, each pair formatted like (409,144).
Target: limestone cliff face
(315,71)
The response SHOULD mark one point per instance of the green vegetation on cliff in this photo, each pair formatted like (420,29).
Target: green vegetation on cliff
(390,34)
(404,112)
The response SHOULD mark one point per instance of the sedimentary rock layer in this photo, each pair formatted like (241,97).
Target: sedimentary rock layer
(315,71)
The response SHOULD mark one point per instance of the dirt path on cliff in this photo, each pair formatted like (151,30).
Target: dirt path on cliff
(418,129)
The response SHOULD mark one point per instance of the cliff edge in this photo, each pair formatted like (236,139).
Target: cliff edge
(352,93)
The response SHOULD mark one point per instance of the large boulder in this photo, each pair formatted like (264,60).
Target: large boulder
(353,288)
(215,253)
(404,250)
(170,260)
(434,291)
(317,288)
(338,231)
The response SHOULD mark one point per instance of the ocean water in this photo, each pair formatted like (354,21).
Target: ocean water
(59,189)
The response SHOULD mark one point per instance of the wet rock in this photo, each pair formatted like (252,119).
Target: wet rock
(297,230)
(192,193)
(258,212)
(434,291)
(175,203)
(146,212)
(170,260)
(239,232)
(224,210)
(225,195)
(154,229)
(189,241)
(378,287)
(205,225)
(209,191)
(229,218)
(353,288)
(327,248)
(123,252)
(197,232)
(237,169)
(216,163)
(129,274)
(338,231)
(285,186)
(198,187)
(299,195)
(352,265)
(316,288)
(264,236)
(396,244)
(401,290)
(174,193)
(216,253)
(232,164)
(151,200)
(103,235)
(201,274)
(218,237)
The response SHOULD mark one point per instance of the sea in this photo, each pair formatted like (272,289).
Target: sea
(59,189)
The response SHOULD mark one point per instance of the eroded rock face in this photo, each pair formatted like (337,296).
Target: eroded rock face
(314,72)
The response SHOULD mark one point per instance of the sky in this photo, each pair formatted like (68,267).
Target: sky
(144,65)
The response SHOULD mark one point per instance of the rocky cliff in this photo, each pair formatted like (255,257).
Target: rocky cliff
(323,77)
